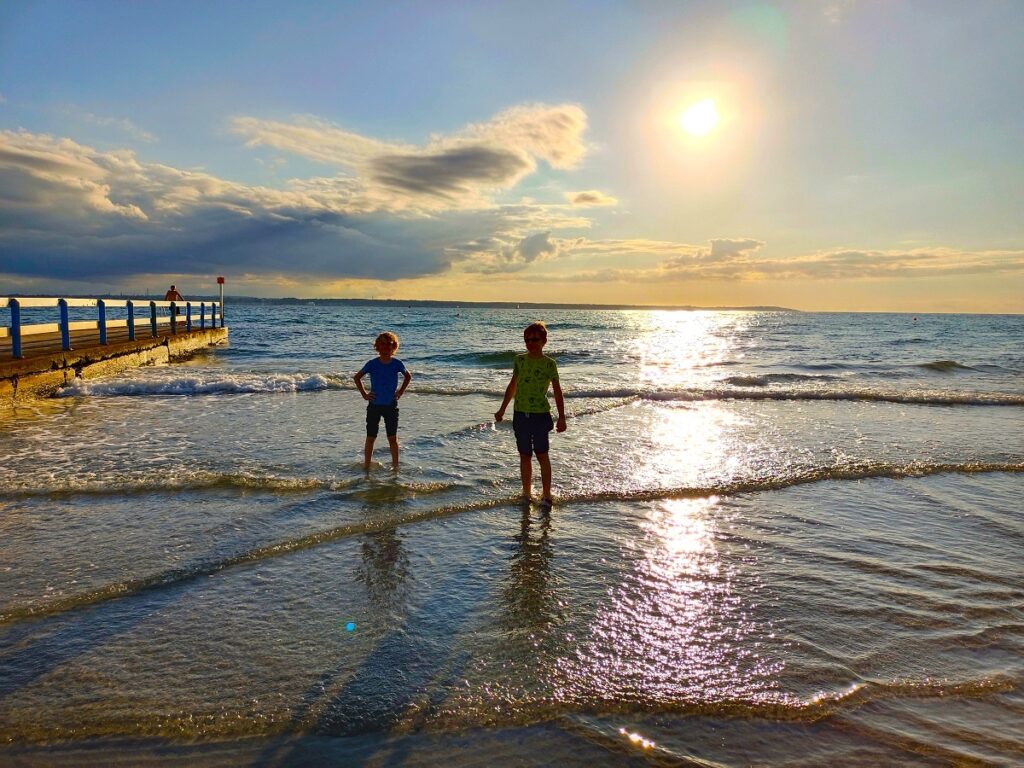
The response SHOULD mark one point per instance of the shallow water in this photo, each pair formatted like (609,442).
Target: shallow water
(779,538)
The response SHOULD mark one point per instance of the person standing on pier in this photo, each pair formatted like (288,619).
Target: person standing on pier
(382,398)
(173,295)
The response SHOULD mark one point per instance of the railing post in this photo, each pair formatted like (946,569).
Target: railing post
(188,316)
(202,314)
(65,326)
(174,317)
(15,306)
(220,283)
(101,308)
(131,320)
(152,318)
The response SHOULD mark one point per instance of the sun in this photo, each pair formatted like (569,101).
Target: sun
(699,119)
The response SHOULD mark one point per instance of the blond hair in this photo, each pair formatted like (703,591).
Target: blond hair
(538,327)
(389,338)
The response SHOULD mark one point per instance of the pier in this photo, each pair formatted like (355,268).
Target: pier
(94,337)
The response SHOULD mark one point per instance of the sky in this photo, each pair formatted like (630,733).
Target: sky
(863,155)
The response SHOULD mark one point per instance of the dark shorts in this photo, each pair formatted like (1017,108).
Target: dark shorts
(373,415)
(532,431)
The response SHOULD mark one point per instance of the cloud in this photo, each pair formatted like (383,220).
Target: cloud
(724,250)
(447,171)
(495,254)
(71,211)
(735,260)
(590,197)
(122,124)
(450,174)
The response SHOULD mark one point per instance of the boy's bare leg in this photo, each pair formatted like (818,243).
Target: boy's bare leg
(393,444)
(526,472)
(368,452)
(545,474)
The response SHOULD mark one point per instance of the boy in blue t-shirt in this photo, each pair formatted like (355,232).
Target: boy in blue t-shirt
(383,395)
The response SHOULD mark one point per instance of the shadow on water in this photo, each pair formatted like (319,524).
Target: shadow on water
(31,650)
(413,666)
(410,660)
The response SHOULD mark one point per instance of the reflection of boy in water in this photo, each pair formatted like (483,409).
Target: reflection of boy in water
(385,570)
(529,598)
(532,374)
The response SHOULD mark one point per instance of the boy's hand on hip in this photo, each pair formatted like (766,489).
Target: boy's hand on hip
(367,395)
(560,426)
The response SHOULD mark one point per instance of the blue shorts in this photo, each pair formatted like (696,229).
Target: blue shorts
(532,431)
(373,416)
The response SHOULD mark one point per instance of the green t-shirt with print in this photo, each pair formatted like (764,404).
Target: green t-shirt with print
(533,376)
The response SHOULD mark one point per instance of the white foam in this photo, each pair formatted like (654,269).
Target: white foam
(217,384)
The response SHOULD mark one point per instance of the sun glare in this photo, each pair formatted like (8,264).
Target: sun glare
(699,119)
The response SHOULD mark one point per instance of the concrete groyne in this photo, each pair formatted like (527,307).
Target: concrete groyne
(44,375)
(37,360)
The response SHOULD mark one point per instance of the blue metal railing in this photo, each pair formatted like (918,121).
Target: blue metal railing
(19,332)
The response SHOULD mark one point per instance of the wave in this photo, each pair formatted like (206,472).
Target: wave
(773,378)
(233,384)
(205,568)
(501,359)
(739,388)
(213,481)
(945,366)
(787,707)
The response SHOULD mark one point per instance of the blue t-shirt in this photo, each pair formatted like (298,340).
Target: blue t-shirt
(383,379)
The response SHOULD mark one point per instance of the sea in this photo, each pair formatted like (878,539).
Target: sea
(778,538)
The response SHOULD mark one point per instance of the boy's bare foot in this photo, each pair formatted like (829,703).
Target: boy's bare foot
(525,498)
(546,502)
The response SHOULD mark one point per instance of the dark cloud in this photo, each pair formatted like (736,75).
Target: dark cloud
(450,173)
(492,255)
(590,197)
(207,241)
(70,212)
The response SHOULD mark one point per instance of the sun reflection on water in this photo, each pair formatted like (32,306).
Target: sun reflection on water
(680,627)
(677,630)
(677,347)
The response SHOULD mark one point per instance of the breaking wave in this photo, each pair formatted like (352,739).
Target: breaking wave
(235,384)
(738,388)
(773,378)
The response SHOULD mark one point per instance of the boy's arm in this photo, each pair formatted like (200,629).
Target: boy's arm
(405,383)
(359,385)
(510,392)
(559,404)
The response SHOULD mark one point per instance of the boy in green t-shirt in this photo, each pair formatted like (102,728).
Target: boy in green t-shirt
(532,373)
